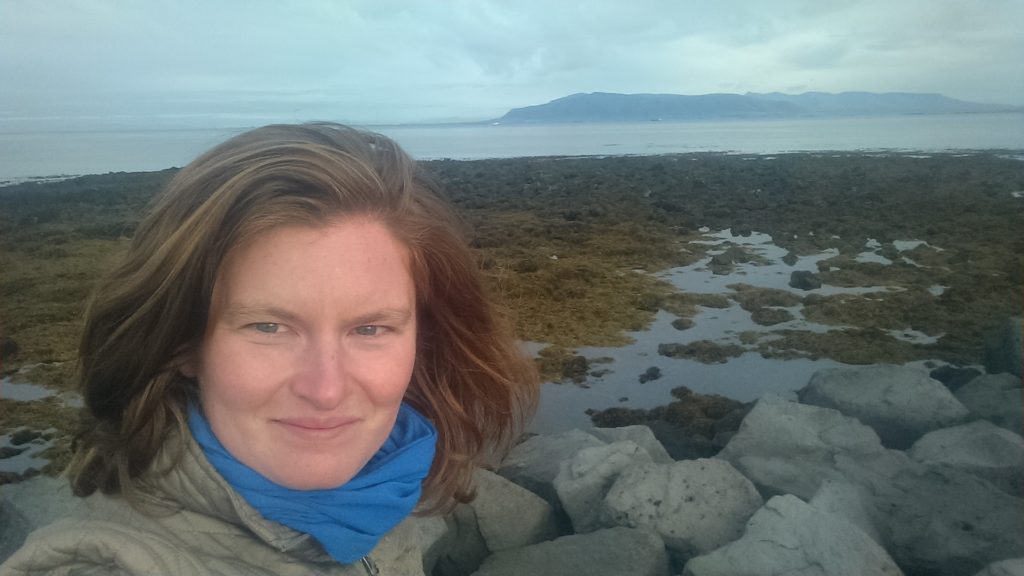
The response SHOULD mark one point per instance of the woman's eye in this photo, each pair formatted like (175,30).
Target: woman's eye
(368,330)
(267,327)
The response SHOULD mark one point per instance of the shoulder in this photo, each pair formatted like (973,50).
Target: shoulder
(100,547)
(112,537)
(75,547)
(93,547)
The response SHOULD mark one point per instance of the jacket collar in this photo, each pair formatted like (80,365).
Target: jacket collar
(181,478)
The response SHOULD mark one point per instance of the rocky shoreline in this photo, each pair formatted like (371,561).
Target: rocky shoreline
(880,259)
(866,470)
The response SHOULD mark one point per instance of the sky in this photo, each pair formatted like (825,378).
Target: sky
(192,62)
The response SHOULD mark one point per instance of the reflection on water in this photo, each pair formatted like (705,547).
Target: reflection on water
(23,392)
(28,392)
(745,378)
(25,455)
(18,454)
(773,273)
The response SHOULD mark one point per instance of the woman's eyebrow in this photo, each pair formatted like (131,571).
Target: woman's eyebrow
(257,311)
(397,315)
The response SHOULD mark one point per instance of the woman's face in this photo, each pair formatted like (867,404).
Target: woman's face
(309,349)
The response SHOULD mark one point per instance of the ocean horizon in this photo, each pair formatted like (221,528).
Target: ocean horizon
(27,153)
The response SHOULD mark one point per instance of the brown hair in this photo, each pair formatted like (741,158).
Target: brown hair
(470,378)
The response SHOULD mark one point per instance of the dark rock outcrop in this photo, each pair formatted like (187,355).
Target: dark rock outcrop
(804,280)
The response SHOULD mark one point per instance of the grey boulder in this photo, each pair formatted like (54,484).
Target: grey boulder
(695,505)
(946,522)
(586,477)
(14,528)
(789,536)
(465,549)
(609,552)
(498,500)
(31,504)
(995,397)
(980,448)
(1011,567)
(900,404)
(790,448)
(852,502)
(534,463)
(642,435)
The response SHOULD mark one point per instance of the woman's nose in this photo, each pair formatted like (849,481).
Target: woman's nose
(323,380)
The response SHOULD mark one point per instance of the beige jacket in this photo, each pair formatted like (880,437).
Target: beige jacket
(195,524)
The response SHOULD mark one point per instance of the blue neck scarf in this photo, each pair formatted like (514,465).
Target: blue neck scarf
(348,521)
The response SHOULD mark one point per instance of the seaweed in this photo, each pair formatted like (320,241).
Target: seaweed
(570,248)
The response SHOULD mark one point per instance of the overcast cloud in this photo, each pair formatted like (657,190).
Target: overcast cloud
(374,61)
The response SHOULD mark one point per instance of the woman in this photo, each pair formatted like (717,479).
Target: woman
(295,353)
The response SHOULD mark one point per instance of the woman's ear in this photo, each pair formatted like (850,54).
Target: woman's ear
(188,364)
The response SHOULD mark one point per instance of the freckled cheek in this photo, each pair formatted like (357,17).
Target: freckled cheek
(233,373)
(387,376)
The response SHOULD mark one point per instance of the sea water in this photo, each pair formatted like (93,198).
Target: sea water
(28,150)
(745,378)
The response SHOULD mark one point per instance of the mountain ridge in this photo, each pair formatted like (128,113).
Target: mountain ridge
(618,107)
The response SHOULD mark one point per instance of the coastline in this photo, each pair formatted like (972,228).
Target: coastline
(582,252)
(30,150)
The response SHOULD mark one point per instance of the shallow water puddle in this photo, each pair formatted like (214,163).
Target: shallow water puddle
(746,377)
(29,456)
(774,273)
(28,392)
(871,254)
(26,455)
(23,392)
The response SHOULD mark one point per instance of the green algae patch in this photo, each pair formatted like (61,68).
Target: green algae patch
(692,426)
(682,323)
(684,304)
(577,302)
(913,308)
(766,305)
(54,375)
(751,298)
(642,213)
(556,363)
(853,346)
(55,239)
(770,316)
(42,297)
(749,337)
(927,256)
(688,410)
(725,262)
(704,351)
(846,271)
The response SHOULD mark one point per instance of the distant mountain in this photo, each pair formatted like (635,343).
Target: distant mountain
(610,107)
(605,107)
(867,103)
